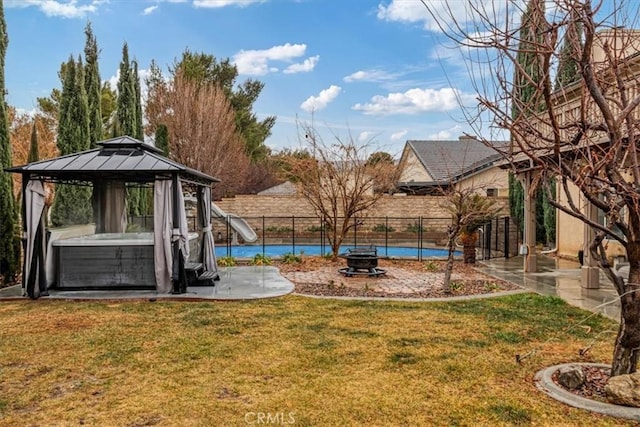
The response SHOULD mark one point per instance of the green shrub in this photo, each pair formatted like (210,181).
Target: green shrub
(290,258)
(316,228)
(381,228)
(260,259)
(414,228)
(431,266)
(226,261)
(276,229)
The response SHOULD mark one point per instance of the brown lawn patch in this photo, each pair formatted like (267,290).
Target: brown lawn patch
(316,362)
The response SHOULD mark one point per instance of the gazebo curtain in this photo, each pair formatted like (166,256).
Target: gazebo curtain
(34,271)
(208,246)
(165,232)
(110,207)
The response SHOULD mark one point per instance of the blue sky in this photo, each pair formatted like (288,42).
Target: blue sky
(371,69)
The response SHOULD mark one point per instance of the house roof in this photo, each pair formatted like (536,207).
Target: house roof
(122,158)
(450,161)
(286,188)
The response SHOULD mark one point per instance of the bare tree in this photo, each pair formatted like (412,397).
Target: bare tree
(337,181)
(584,133)
(202,129)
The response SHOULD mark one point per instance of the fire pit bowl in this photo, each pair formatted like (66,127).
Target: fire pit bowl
(361,261)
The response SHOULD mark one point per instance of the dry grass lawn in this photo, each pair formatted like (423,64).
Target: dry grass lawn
(292,360)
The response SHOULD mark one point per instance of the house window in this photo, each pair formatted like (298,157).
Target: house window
(492,192)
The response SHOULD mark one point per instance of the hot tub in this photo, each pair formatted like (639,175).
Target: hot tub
(108,261)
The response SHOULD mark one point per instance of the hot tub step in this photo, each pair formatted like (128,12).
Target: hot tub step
(206,279)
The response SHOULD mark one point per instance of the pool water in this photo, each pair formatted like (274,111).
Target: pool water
(272,251)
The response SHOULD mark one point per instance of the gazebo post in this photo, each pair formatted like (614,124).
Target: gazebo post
(23,214)
(175,241)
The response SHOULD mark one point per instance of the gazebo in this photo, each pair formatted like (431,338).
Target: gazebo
(108,169)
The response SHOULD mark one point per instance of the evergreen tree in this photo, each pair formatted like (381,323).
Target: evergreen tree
(162,139)
(9,243)
(93,87)
(568,65)
(524,105)
(34,154)
(137,93)
(126,115)
(125,103)
(72,204)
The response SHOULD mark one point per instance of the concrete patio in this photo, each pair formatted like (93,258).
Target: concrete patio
(555,277)
(559,277)
(238,283)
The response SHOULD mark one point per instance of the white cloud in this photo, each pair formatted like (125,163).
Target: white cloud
(416,12)
(443,135)
(149,10)
(224,3)
(58,8)
(398,135)
(303,67)
(365,136)
(316,103)
(413,101)
(256,62)
(369,76)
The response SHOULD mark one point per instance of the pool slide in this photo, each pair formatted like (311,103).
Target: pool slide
(238,224)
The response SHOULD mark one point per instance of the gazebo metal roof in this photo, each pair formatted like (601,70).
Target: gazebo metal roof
(116,159)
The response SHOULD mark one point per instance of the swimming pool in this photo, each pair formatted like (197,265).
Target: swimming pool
(273,251)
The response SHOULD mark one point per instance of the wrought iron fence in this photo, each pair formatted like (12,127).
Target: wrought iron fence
(498,238)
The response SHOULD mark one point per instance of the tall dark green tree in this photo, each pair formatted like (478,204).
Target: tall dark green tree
(137,99)
(126,118)
(9,243)
(34,152)
(162,139)
(567,72)
(526,102)
(126,103)
(72,204)
(93,87)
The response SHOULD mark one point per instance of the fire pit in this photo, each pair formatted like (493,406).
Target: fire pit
(361,261)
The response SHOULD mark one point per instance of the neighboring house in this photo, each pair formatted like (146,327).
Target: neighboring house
(428,167)
(286,188)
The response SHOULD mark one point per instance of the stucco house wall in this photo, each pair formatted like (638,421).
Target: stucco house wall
(412,170)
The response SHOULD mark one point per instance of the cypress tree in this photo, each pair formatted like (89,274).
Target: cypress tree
(9,242)
(162,139)
(126,104)
(525,104)
(126,117)
(72,204)
(34,154)
(93,88)
(137,93)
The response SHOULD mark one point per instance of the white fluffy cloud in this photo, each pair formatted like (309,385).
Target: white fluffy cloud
(368,76)
(58,8)
(224,3)
(256,62)
(303,67)
(443,135)
(316,103)
(398,135)
(149,10)
(416,12)
(365,136)
(413,101)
